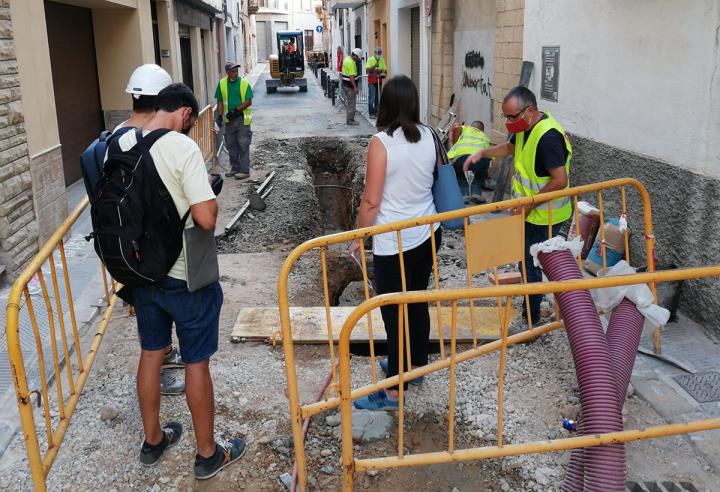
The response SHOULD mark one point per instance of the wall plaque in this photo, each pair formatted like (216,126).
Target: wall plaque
(550,72)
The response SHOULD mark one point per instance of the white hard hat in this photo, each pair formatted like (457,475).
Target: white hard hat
(357,52)
(148,80)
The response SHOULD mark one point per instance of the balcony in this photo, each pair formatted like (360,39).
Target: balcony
(345,4)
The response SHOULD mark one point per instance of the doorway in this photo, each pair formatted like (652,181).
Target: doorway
(75,82)
(186,62)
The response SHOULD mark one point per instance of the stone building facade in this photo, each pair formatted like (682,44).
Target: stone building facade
(442,56)
(18,222)
(508,57)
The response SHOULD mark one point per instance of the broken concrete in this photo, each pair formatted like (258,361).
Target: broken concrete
(369,426)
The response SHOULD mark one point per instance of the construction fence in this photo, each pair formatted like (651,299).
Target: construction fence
(490,243)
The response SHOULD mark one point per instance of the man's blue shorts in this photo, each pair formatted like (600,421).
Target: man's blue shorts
(196,316)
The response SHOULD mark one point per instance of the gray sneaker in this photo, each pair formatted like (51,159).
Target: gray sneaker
(242,175)
(172,360)
(352,123)
(170,384)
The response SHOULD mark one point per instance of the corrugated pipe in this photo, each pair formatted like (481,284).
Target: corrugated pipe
(600,468)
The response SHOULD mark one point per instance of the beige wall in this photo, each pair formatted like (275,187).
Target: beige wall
(508,58)
(123,41)
(379,11)
(168,39)
(36,86)
(211,68)
(198,70)
(442,54)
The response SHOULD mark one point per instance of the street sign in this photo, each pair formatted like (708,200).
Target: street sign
(319,29)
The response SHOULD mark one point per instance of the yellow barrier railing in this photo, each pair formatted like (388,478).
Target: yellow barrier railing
(68,387)
(63,341)
(300,412)
(203,135)
(351,465)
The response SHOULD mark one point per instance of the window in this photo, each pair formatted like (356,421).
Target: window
(309,35)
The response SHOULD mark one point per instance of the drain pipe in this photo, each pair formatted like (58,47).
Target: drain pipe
(600,468)
(306,425)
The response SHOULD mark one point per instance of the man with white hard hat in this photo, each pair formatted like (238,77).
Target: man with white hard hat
(144,84)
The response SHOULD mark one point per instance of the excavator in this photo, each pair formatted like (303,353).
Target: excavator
(287,68)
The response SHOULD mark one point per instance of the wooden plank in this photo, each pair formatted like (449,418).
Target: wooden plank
(309,327)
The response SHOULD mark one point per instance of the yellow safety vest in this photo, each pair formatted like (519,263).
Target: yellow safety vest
(349,69)
(375,62)
(471,140)
(247,113)
(527,183)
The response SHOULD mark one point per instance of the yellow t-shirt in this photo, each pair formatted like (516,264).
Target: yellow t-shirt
(181,167)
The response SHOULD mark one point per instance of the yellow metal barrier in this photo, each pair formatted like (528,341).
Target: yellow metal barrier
(68,393)
(203,135)
(300,412)
(350,465)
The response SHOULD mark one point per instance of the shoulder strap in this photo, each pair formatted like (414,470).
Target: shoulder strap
(149,140)
(440,152)
(145,143)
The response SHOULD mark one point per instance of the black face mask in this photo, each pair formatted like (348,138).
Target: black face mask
(185,131)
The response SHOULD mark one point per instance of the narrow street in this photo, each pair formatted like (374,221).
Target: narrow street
(302,138)
(585,361)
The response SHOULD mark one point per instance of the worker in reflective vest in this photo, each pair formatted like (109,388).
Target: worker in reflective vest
(349,84)
(466,141)
(542,154)
(376,70)
(234,100)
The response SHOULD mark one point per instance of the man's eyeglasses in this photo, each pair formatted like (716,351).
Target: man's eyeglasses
(516,116)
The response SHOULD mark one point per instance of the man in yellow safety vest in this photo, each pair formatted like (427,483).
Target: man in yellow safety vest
(349,84)
(542,153)
(376,70)
(234,100)
(467,139)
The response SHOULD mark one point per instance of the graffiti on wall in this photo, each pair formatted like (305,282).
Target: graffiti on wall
(475,60)
(474,74)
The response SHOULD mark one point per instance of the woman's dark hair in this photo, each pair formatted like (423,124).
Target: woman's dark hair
(400,108)
(174,97)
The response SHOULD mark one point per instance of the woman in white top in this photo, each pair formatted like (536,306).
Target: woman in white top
(398,186)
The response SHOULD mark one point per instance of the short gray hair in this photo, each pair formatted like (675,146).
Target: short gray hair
(524,96)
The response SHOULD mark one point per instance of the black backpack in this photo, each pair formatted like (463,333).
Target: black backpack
(92,159)
(137,230)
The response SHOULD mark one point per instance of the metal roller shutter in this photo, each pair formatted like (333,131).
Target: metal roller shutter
(415,46)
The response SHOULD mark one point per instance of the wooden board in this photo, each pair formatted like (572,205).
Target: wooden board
(309,324)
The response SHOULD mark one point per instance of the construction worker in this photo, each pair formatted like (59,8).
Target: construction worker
(376,70)
(467,140)
(349,84)
(542,154)
(234,100)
